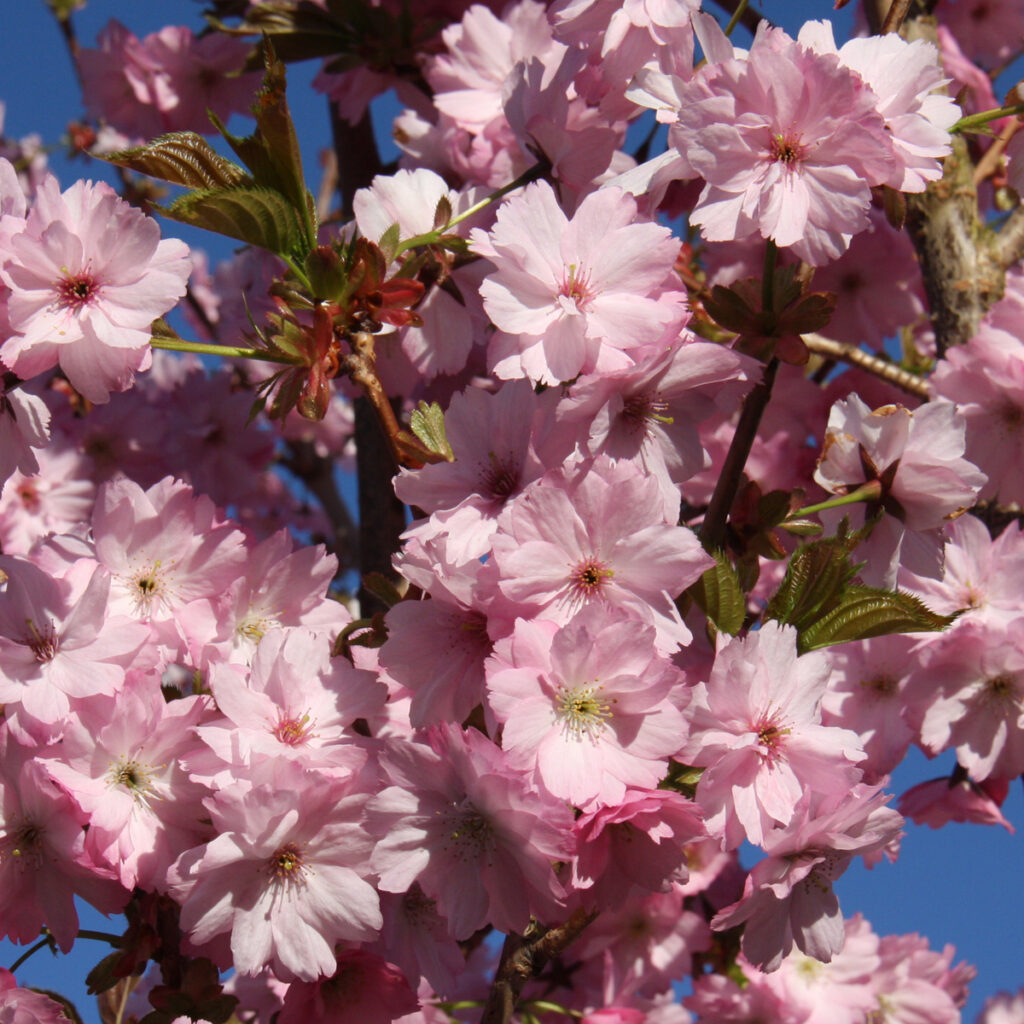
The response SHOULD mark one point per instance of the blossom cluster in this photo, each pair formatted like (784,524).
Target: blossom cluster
(551,725)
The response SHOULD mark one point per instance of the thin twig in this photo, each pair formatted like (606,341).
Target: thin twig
(712,531)
(524,957)
(873,364)
(896,16)
(990,159)
(46,941)
(749,19)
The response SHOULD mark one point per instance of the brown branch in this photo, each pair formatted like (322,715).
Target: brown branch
(873,364)
(524,957)
(381,514)
(992,157)
(898,11)
(712,531)
(960,266)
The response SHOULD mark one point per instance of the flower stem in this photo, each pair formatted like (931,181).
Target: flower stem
(179,345)
(736,15)
(974,121)
(108,937)
(534,173)
(47,940)
(871,491)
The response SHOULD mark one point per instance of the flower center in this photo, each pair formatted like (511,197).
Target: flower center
(500,480)
(25,844)
(583,712)
(1000,694)
(135,776)
(786,148)
(286,866)
(468,835)
(880,685)
(42,642)
(76,291)
(149,586)
(293,732)
(575,289)
(588,579)
(771,738)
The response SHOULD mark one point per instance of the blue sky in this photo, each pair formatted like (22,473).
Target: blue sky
(960,885)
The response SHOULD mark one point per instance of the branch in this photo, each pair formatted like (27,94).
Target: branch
(381,514)
(525,956)
(712,531)
(855,356)
(896,16)
(317,473)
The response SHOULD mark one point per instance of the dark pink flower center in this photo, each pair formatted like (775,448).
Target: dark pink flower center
(293,731)
(787,148)
(25,844)
(576,286)
(77,290)
(771,737)
(468,835)
(589,578)
(42,642)
(500,480)
(286,865)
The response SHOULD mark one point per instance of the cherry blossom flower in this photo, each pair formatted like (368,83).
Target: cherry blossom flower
(119,761)
(939,801)
(787,898)
(597,533)
(43,862)
(573,296)
(25,1005)
(363,987)
(756,727)
(788,142)
(24,425)
(59,642)
(470,830)
(88,275)
(586,707)
(284,875)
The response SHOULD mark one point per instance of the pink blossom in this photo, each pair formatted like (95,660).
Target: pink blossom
(989,30)
(756,727)
(285,875)
(119,762)
(597,533)
(26,1006)
(576,295)
(88,276)
(788,142)
(1003,1008)
(968,693)
(55,499)
(43,862)
(787,898)
(164,547)
(363,987)
(586,708)
(58,643)
(939,801)
(470,830)
(24,425)
(904,76)
(641,842)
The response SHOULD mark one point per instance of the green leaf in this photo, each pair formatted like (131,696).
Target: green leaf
(182,158)
(817,575)
(102,976)
(272,151)
(865,612)
(258,216)
(720,597)
(427,423)
(389,243)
